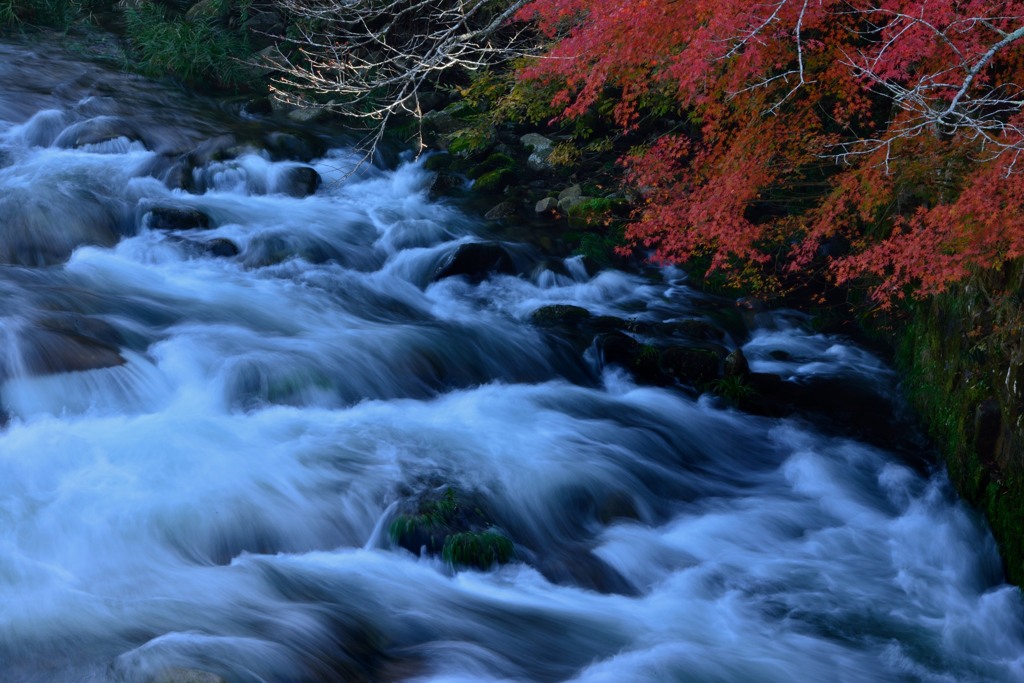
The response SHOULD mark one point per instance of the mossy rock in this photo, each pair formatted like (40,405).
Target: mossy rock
(690,365)
(592,213)
(453,526)
(558,315)
(477,549)
(494,162)
(495,181)
(438,162)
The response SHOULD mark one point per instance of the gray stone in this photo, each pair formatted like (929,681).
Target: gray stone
(540,147)
(546,205)
(505,209)
(571,192)
(566,204)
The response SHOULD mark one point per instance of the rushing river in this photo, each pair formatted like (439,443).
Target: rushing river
(209,430)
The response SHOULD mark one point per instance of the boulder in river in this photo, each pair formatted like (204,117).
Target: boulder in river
(177,218)
(298,181)
(476,261)
(69,343)
(42,225)
(97,130)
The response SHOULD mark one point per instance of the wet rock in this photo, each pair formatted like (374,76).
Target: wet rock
(690,365)
(559,315)
(454,525)
(476,261)
(506,209)
(692,329)
(294,146)
(44,224)
(299,181)
(445,184)
(222,247)
(97,130)
(175,218)
(217,148)
(642,360)
(69,344)
(736,365)
(258,106)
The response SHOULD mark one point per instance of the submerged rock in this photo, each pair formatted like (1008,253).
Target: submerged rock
(69,343)
(176,218)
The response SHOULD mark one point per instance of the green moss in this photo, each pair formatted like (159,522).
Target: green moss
(458,531)
(480,550)
(494,162)
(592,213)
(954,352)
(494,181)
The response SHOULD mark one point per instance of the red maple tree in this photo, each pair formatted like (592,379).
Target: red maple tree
(904,116)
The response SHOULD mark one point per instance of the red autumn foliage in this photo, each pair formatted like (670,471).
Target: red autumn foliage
(903,117)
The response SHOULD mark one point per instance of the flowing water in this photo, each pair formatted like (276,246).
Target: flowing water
(203,451)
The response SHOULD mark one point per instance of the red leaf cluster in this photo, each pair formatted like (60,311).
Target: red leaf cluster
(902,115)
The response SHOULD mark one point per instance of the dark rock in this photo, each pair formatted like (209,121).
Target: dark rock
(618,348)
(97,130)
(444,184)
(69,344)
(988,421)
(454,525)
(435,122)
(506,209)
(214,149)
(441,161)
(692,329)
(294,146)
(175,218)
(476,261)
(495,181)
(259,106)
(690,365)
(736,365)
(263,27)
(222,247)
(558,315)
(43,224)
(299,181)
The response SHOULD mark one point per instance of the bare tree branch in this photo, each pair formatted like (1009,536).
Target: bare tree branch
(370,59)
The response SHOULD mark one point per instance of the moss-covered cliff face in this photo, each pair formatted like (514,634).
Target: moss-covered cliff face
(963,358)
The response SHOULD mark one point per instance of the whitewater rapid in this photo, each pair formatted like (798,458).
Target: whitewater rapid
(203,451)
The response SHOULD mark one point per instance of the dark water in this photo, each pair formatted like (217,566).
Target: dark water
(204,450)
